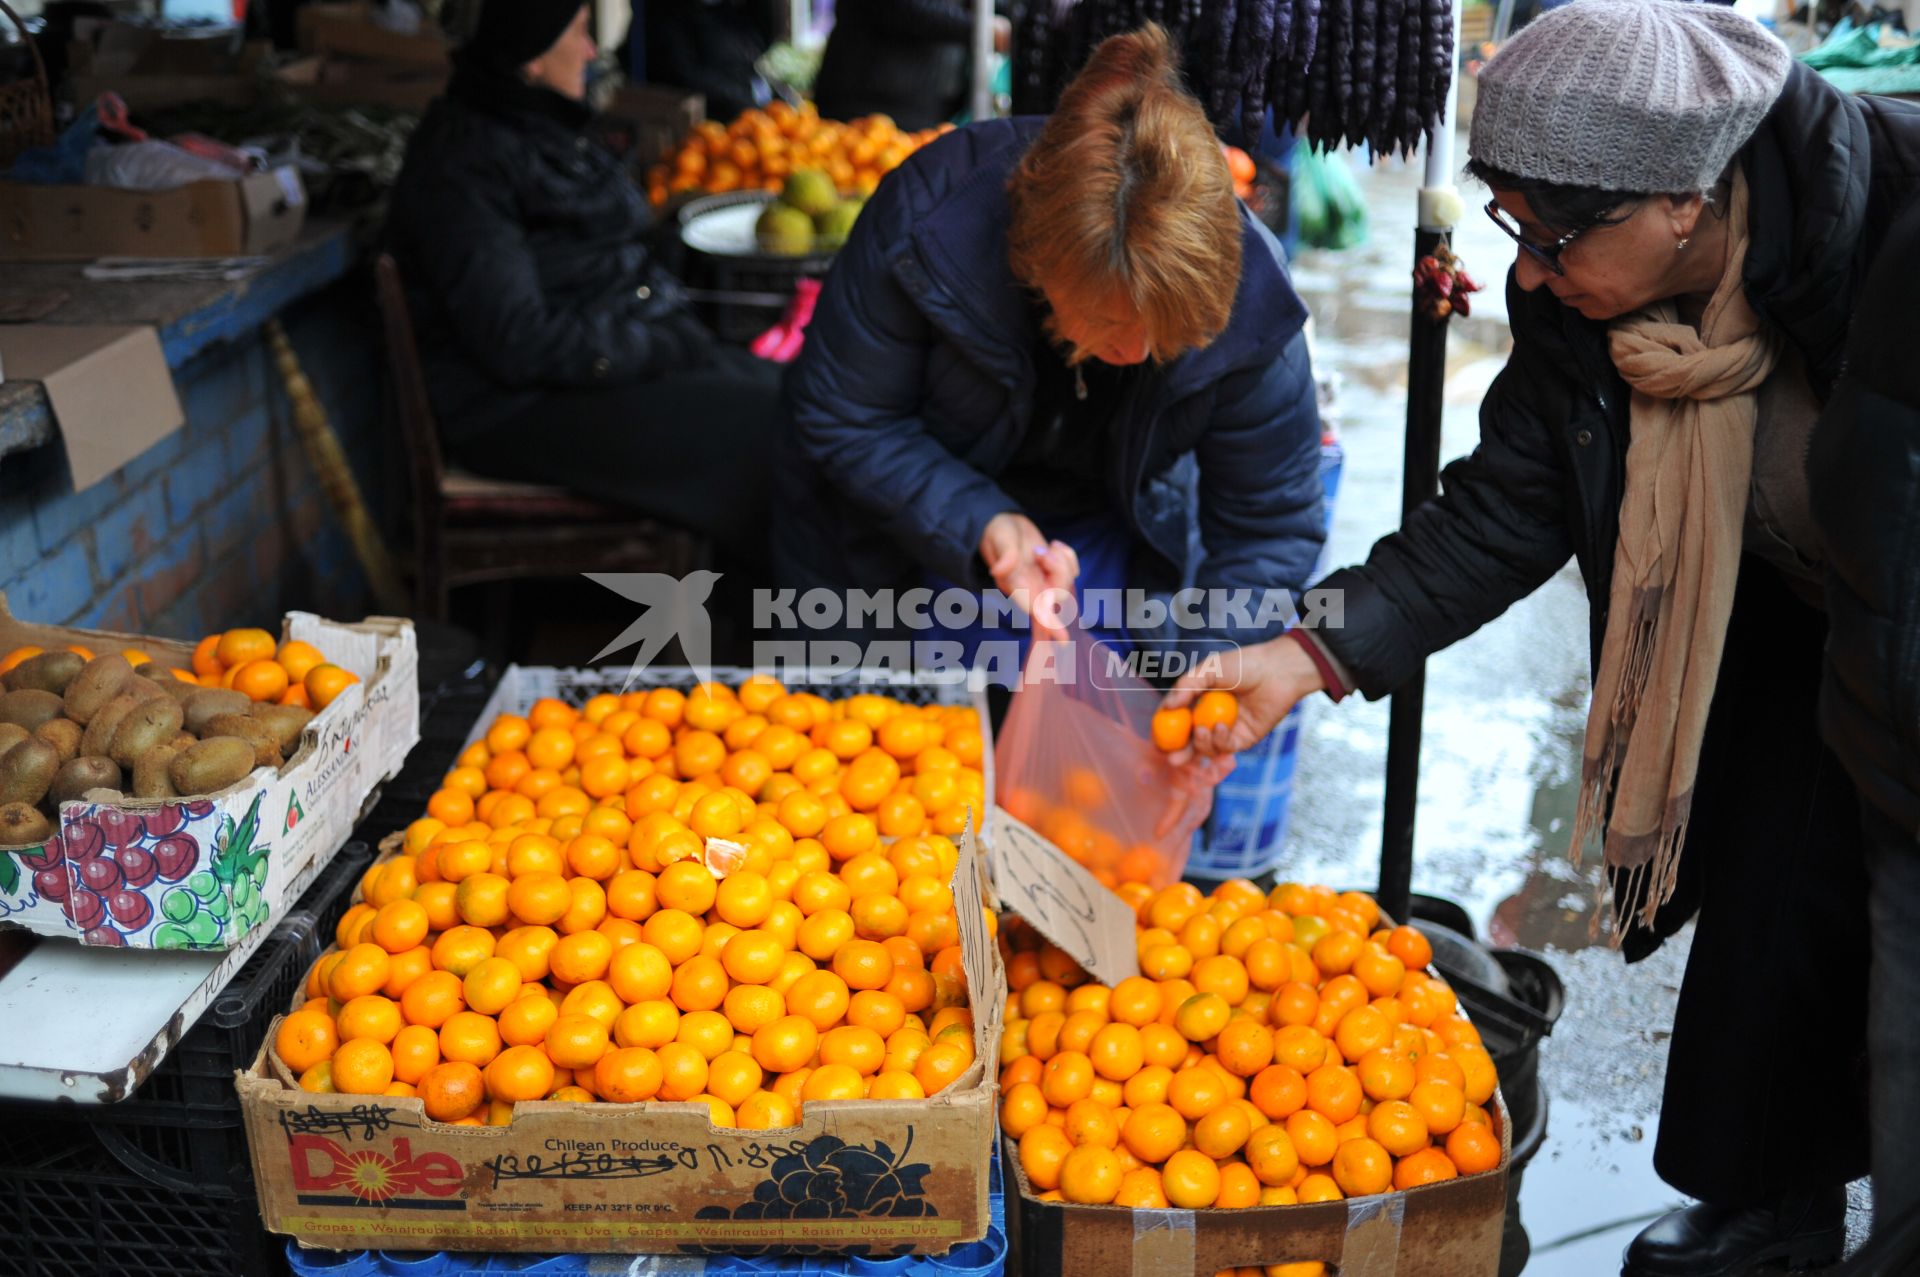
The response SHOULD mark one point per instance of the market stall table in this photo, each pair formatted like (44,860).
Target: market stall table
(190,314)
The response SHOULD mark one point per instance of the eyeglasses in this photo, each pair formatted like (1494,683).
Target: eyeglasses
(1548,255)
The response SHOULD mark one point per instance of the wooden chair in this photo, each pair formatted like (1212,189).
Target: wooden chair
(470,530)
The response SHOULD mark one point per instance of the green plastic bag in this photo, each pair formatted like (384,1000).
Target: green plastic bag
(1332,212)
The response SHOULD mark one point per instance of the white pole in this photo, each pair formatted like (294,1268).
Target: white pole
(982,102)
(1440,205)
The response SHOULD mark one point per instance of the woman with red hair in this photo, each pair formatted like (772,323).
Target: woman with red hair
(1058,352)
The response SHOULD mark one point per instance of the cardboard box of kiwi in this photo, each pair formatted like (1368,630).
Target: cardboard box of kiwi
(1449,1229)
(352,1172)
(139,811)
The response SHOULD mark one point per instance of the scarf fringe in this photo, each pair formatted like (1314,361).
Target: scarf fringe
(1600,775)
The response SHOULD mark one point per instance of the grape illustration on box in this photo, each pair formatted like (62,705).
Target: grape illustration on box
(108,867)
(828,1178)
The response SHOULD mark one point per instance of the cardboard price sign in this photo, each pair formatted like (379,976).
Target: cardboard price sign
(1044,885)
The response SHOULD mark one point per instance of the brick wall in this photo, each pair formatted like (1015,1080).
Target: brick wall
(222,523)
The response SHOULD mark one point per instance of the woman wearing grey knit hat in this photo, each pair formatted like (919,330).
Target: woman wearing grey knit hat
(1694,215)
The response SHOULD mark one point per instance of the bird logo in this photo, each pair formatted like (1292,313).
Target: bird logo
(675,607)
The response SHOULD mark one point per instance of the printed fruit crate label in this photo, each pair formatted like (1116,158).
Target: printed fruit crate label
(375,1172)
(1045,886)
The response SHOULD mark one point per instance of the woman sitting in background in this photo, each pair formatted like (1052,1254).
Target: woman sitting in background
(556,349)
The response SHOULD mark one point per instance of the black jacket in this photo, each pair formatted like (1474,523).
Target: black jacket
(522,245)
(1865,471)
(906,59)
(1827,175)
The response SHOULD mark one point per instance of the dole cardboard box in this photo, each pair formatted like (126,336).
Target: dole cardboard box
(203,872)
(1449,1229)
(351,1172)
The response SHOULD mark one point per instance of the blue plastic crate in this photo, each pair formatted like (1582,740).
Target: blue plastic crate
(984,1258)
(1246,833)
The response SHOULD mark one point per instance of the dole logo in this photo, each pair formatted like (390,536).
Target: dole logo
(325,1174)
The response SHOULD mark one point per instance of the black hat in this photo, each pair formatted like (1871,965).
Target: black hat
(512,33)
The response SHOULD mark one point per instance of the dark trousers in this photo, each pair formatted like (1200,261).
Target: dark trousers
(1893,860)
(1766,1084)
(692,448)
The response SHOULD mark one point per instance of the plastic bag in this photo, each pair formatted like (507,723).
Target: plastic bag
(1332,211)
(154,166)
(1075,762)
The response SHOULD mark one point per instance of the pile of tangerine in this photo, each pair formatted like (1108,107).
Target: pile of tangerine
(245,660)
(557,935)
(1276,1049)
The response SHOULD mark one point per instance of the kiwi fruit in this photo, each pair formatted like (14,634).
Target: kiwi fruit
(78,775)
(266,745)
(286,722)
(208,766)
(151,723)
(47,672)
(29,707)
(99,681)
(211,702)
(63,734)
(150,778)
(172,686)
(98,737)
(11,734)
(22,825)
(26,771)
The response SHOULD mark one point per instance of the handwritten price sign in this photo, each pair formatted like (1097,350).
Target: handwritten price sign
(1045,886)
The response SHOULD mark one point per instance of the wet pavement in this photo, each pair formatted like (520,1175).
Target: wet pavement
(1505,709)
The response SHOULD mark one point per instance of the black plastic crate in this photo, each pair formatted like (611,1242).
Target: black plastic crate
(182,1125)
(72,1211)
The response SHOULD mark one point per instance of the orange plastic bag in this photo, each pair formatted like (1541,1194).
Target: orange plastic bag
(1075,763)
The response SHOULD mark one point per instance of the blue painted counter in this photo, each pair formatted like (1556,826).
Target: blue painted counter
(221,523)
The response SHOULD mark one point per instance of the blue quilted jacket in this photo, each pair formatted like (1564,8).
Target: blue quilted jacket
(917,382)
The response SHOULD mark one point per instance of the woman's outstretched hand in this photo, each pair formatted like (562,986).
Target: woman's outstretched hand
(1268,678)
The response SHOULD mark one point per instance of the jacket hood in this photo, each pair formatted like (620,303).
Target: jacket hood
(954,262)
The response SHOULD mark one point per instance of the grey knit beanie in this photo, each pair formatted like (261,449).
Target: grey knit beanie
(1641,96)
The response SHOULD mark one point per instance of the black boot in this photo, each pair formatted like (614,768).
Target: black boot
(1806,1230)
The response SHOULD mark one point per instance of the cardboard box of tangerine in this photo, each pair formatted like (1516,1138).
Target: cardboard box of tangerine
(655,1057)
(1259,1081)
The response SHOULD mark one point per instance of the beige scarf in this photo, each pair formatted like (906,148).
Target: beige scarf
(1689,465)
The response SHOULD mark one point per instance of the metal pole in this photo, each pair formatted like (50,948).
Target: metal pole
(981,105)
(1426,386)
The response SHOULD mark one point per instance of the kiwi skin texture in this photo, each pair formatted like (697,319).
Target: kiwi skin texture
(26,771)
(22,825)
(78,775)
(209,703)
(99,681)
(211,765)
(47,672)
(30,707)
(266,745)
(149,725)
(150,770)
(63,734)
(286,722)
(98,738)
